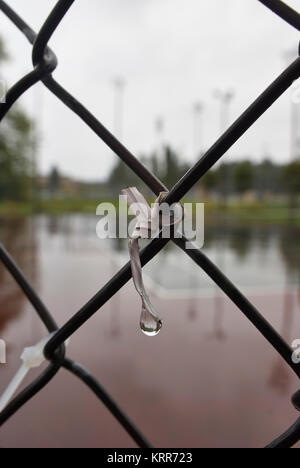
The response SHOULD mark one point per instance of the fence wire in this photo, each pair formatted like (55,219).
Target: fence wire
(44,64)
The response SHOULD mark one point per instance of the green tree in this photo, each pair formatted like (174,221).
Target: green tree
(171,168)
(210,180)
(121,177)
(54,180)
(167,167)
(291,182)
(3,53)
(243,176)
(16,147)
(267,178)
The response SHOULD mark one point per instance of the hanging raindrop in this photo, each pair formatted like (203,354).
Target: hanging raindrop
(150,325)
(147,218)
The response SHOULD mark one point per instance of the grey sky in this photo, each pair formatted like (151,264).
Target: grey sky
(171,53)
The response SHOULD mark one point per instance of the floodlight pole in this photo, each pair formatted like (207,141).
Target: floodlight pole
(119,85)
(197,113)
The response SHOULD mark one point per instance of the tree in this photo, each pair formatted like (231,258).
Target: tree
(121,177)
(209,181)
(16,146)
(267,178)
(171,168)
(243,175)
(54,180)
(167,167)
(3,53)
(291,181)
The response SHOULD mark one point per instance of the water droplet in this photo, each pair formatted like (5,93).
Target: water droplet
(149,324)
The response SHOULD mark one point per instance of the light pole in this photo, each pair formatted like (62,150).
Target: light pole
(288,57)
(197,113)
(225,98)
(119,85)
(159,131)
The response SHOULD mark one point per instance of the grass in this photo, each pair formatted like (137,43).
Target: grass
(262,212)
(57,207)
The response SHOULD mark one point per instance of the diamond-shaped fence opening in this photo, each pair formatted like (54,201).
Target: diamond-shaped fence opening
(45,62)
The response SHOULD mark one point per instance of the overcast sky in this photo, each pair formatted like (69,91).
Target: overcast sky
(171,54)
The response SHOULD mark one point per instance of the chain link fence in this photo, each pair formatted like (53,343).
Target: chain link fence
(44,63)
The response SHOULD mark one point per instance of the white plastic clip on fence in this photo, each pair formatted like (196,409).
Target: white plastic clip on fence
(148,222)
(32,357)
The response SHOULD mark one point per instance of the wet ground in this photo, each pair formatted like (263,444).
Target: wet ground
(207,380)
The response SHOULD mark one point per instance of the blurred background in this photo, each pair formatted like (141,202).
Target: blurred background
(167,78)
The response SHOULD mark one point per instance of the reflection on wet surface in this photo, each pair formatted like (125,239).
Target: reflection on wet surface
(18,237)
(209,379)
